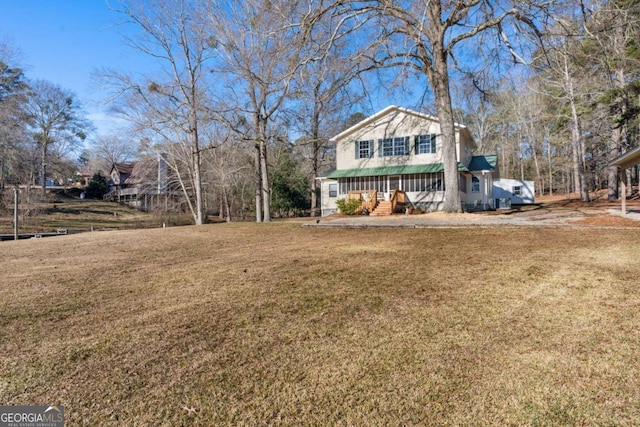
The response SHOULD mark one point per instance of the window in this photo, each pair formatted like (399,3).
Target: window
(363,184)
(426,144)
(475,184)
(400,146)
(422,182)
(333,190)
(394,146)
(364,149)
(517,190)
(386,147)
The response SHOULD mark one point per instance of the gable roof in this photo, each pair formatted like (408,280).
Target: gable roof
(123,168)
(140,172)
(386,111)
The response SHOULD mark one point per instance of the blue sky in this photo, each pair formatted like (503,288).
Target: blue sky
(65,41)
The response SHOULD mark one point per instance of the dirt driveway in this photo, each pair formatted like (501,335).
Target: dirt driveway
(557,212)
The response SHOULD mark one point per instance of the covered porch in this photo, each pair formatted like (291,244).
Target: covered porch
(625,161)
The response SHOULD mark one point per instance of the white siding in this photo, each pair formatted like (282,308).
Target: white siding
(327,203)
(395,124)
(503,189)
(484,198)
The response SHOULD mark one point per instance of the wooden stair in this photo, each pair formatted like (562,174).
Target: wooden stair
(383,208)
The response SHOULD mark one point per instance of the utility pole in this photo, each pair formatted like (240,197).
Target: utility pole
(16,192)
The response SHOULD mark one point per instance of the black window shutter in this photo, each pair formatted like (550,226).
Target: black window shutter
(357,150)
(371,148)
(433,143)
(406,145)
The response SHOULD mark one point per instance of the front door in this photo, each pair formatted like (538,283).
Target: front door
(394,183)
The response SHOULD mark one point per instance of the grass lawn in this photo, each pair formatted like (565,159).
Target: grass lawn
(249,324)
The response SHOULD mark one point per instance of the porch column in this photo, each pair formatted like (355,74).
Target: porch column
(485,191)
(623,192)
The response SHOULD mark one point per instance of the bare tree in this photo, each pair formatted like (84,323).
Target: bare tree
(175,100)
(111,149)
(614,28)
(262,45)
(230,171)
(424,36)
(56,122)
(324,94)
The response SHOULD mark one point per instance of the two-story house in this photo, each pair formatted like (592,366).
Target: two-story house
(142,184)
(400,149)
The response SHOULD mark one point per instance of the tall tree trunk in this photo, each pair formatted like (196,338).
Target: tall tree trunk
(539,180)
(258,179)
(575,156)
(505,158)
(315,154)
(314,191)
(2,161)
(439,77)
(576,132)
(197,175)
(579,174)
(195,155)
(43,166)
(618,133)
(262,167)
(264,176)
(227,208)
(549,161)
(612,171)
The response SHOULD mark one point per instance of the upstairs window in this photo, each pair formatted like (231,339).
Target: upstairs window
(364,149)
(426,144)
(517,190)
(386,147)
(401,146)
(394,146)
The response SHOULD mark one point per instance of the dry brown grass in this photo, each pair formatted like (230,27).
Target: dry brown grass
(83,215)
(247,324)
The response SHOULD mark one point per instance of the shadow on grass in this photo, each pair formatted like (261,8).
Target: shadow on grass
(73,211)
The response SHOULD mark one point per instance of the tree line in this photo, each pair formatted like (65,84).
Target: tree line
(246,94)
(41,124)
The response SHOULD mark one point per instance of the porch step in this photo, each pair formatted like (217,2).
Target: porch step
(383,208)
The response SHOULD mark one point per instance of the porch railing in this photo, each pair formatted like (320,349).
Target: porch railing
(394,199)
(368,198)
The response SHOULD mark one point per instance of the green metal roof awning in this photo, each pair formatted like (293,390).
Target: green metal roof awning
(391,170)
(483,163)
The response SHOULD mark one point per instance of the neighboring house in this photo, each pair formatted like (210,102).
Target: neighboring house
(83,176)
(142,184)
(516,191)
(400,151)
